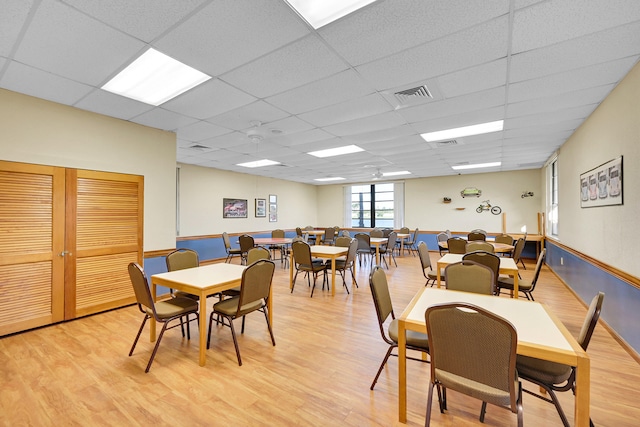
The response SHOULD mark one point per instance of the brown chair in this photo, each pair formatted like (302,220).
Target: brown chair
(457,245)
(181,259)
(384,309)
(163,312)
(517,252)
(473,351)
(329,236)
(364,247)
(254,296)
(303,262)
(442,238)
(524,286)
(411,243)
(425,261)
(470,276)
(231,252)
(476,236)
(554,377)
(246,243)
(388,249)
(277,234)
(479,245)
(504,238)
(486,258)
(348,262)
(376,232)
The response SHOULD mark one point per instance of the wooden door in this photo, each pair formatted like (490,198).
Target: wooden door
(66,238)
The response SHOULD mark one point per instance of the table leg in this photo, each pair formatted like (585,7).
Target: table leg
(333,276)
(402,372)
(378,254)
(440,267)
(203,328)
(152,322)
(292,263)
(515,286)
(582,392)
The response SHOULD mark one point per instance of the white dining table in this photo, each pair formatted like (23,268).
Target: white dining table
(326,252)
(540,335)
(507,266)
(202,281)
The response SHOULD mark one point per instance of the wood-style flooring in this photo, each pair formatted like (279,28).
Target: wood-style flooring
(327,351)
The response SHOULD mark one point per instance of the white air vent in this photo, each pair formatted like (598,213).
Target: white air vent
(447,143)
(413,94)
(199,147)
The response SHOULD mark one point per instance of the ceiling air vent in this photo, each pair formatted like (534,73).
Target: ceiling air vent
(447,143)
(413,94)
(199,147)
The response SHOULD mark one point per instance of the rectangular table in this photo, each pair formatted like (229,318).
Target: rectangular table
(402,237)
(377,241)
(326,252)
(507,266)
(202,281)
(540,335)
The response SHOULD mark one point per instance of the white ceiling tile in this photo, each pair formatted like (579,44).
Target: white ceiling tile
(63,41)
(552,22)
(458,120)
(474,79)
(31,81)
(245,116)
(208,100)
(367,124)
(144,19)
(228,33)
(13,16)
(107,103)
(350,110)
(544,119)
(163,119)
(474,46)
(390,26)
(200,130)
(592,95)
(334,89)
(296,64)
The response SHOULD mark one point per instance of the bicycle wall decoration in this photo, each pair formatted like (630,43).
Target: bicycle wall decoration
(487,206)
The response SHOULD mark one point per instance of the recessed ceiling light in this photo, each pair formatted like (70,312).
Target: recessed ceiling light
(321,12)
(347,149)
(155,78)
(258,163)
(396,173)
(335,178)
(477,165)
(463,131)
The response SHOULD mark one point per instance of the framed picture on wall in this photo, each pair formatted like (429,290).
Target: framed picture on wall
(273,217)
(234,208)
(602,186)
(261,208)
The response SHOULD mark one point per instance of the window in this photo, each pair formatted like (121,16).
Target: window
(553,197)
(372,206)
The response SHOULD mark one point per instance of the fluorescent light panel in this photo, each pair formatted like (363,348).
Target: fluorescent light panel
(336,178)
(477,165)
(155,78)
(338,151)
(396,173)
(258,163)
(463,131)
(321,12)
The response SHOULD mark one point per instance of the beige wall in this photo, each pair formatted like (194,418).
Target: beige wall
(424,207)
(42,132)
(611,233)
(202,190)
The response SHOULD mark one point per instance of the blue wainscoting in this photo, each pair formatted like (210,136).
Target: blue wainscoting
(621,307)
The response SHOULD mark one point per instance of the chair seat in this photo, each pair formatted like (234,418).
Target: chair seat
(174,307)
(235,251)
(542,370)
(473,388)
(506,282)
(414,339)
(229,306)
(315,267)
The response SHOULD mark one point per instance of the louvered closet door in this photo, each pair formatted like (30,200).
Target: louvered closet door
(32,200)
(104,234)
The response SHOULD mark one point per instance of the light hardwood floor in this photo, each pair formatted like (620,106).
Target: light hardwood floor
(327,351)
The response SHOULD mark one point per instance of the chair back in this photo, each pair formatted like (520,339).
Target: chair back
(425,259)
(536,273)
(405,230)
(476,236)
(364,241)
(391,241)
(181,259)
(414,236)
(386,232)
(351,254)
(591,320)
(301,253)
(381,297)
(227,243)
(376,232)
(329,235)
(246,243)
(478,230)
(277,234)
(504,238)
(345,233)
(517,249)
(298,231)
(486,258)
(257,253)
(479,245)
(472,343)
(343,241)
(141,289)
(299,238)
(255,285)
(470,276)
(457,245)
(442,237)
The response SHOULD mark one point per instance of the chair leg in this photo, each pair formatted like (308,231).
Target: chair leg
(427,421)
(138,336)
(384,362)
(483,410)
(235,340)
(353,276)
(266,316)
(293,285)
(155,348)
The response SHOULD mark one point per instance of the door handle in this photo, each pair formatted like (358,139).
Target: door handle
(63,253)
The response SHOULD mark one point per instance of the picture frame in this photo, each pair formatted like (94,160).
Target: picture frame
(273,208)
(273,217)
(273,199)
(261,208)
(602,185)
(234,208)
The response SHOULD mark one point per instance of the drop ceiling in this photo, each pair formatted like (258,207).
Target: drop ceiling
(281,89)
